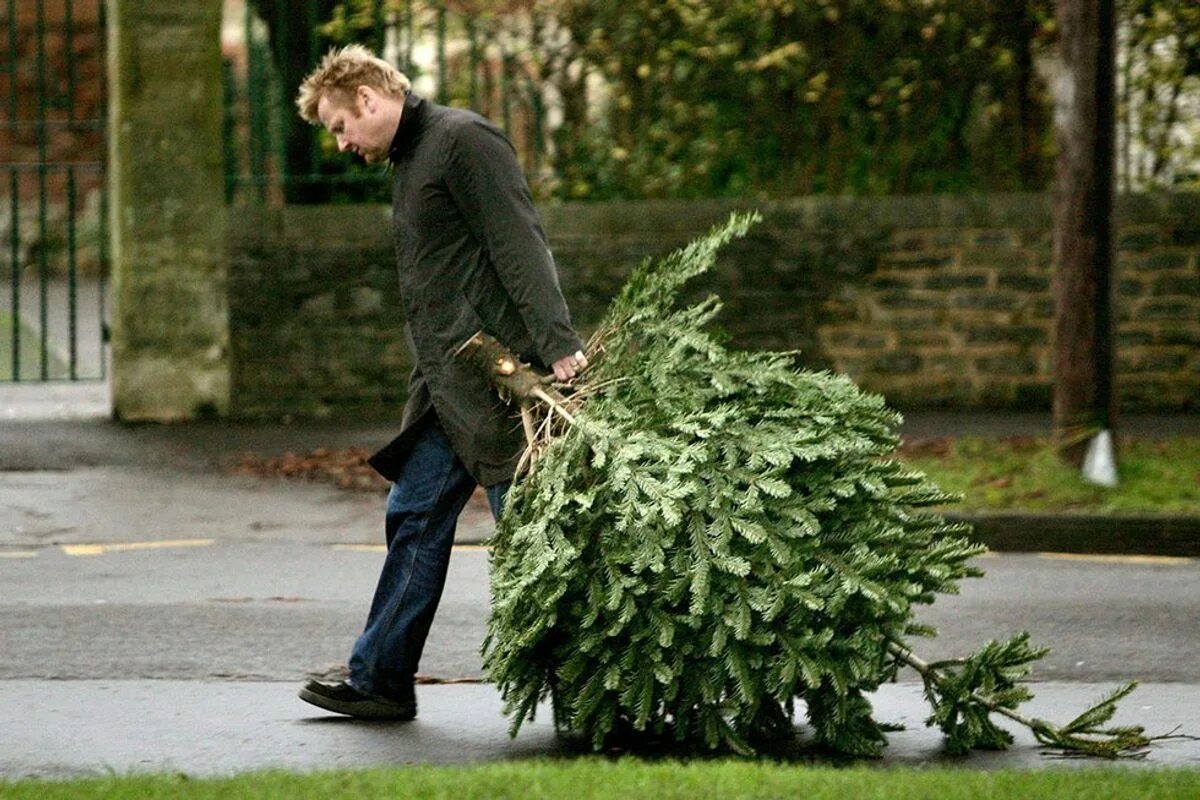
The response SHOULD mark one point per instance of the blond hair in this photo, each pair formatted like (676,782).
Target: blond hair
(342,71)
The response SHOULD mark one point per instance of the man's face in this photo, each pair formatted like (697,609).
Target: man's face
(364,123)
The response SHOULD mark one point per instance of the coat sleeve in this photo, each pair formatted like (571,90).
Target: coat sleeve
(489,188)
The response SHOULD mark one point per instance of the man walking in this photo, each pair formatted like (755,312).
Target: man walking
(472,256)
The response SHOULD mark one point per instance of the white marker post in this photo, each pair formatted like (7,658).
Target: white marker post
(1100,462)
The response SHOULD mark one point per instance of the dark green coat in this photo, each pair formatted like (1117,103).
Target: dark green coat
(472,256)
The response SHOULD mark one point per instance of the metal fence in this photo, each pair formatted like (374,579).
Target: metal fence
(54,260)
(486,62)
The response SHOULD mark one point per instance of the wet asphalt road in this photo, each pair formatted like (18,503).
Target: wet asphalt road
(155,616)
(196,609)
(185,656)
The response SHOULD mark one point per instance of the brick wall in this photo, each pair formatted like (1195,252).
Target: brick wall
(932,301)
(67,91)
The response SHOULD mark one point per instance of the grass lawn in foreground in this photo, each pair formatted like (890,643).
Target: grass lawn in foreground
(30,353)
(1024,473)
(633,779)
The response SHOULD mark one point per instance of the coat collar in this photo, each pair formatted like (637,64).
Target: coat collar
(412,119)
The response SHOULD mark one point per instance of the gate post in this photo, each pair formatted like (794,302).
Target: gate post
(170,321)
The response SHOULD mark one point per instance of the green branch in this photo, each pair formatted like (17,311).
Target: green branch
(957,703)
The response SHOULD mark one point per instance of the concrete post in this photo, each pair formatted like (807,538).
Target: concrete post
(170,325)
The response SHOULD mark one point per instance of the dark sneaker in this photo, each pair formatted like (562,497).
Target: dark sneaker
(342,698)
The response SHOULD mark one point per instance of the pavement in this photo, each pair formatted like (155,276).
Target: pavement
(159,609)
(201,728)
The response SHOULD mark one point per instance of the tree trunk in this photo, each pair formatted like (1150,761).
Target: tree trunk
(1084,121)
(296,48)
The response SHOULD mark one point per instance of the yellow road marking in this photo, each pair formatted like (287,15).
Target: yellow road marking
(1116,559)
(18,554)
(124,547)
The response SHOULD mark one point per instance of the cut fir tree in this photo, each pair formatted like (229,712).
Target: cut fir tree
(705,536)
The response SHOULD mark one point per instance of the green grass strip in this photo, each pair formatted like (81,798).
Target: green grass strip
(630,778)
(1024,473)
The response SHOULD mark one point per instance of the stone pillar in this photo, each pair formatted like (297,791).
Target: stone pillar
(170,324)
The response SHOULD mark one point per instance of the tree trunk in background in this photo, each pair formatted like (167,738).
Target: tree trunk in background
(1021,26)
(296,48)
(1083,199)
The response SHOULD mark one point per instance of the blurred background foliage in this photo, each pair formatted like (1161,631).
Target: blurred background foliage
(744,98)
(793,98)
(1159,104)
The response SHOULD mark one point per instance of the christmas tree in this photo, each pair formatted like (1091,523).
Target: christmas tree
(703,537)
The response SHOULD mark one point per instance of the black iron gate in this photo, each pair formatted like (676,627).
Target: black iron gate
(54,261)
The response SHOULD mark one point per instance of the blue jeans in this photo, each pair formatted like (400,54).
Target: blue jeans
(422,511)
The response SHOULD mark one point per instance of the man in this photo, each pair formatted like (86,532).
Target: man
(472,256)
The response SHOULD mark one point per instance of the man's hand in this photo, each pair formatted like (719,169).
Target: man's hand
(568,367)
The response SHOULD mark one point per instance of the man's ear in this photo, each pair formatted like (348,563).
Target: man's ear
(366,98)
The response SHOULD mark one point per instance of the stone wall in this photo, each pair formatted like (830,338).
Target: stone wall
(313,302)
(170,324)
(932,301)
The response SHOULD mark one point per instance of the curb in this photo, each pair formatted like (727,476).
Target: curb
(1121,534)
